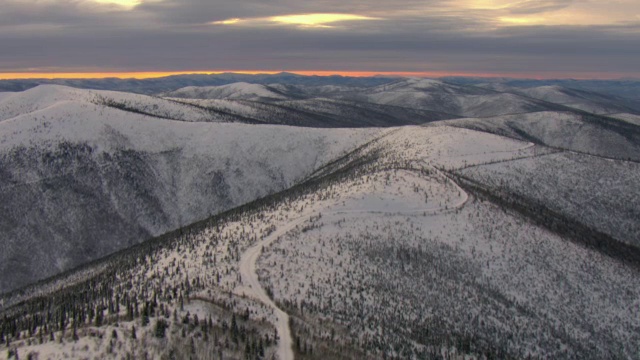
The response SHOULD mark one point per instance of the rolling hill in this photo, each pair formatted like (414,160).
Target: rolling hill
(235,91)
(588,101)
(461,101)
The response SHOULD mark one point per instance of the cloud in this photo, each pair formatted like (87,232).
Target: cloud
(407,35)
(128,4)
(205,11)
(67,14)
(321,20)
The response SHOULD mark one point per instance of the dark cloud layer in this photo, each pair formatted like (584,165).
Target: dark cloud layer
(175,35)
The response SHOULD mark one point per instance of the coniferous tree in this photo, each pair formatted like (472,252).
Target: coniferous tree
(145,315)
(234,329)
(99,316)
(75,332)
(161,327)
(260,348)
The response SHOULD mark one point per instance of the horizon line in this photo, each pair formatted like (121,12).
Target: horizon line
(160,74)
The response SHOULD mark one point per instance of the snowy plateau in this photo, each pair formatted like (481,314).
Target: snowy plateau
(294,218)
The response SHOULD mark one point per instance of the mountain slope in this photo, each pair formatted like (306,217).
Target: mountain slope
(80,180)
(579,99)
(585,133)
(591,190)
(46,96)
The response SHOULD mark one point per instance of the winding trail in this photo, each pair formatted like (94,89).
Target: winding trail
(254,289)
(250,279)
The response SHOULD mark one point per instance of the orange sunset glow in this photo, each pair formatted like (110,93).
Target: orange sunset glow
(160,74)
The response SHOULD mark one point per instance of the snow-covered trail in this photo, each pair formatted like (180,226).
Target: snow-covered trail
(250,279)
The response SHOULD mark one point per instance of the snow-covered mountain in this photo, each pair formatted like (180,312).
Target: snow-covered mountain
(414,239)
(122,177)
(212,228)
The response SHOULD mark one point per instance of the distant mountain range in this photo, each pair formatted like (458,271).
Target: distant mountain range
(172,83)
(629,89)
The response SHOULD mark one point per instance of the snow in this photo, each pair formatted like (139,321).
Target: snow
(38,98)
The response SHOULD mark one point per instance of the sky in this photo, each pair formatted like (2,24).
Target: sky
(145,38)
